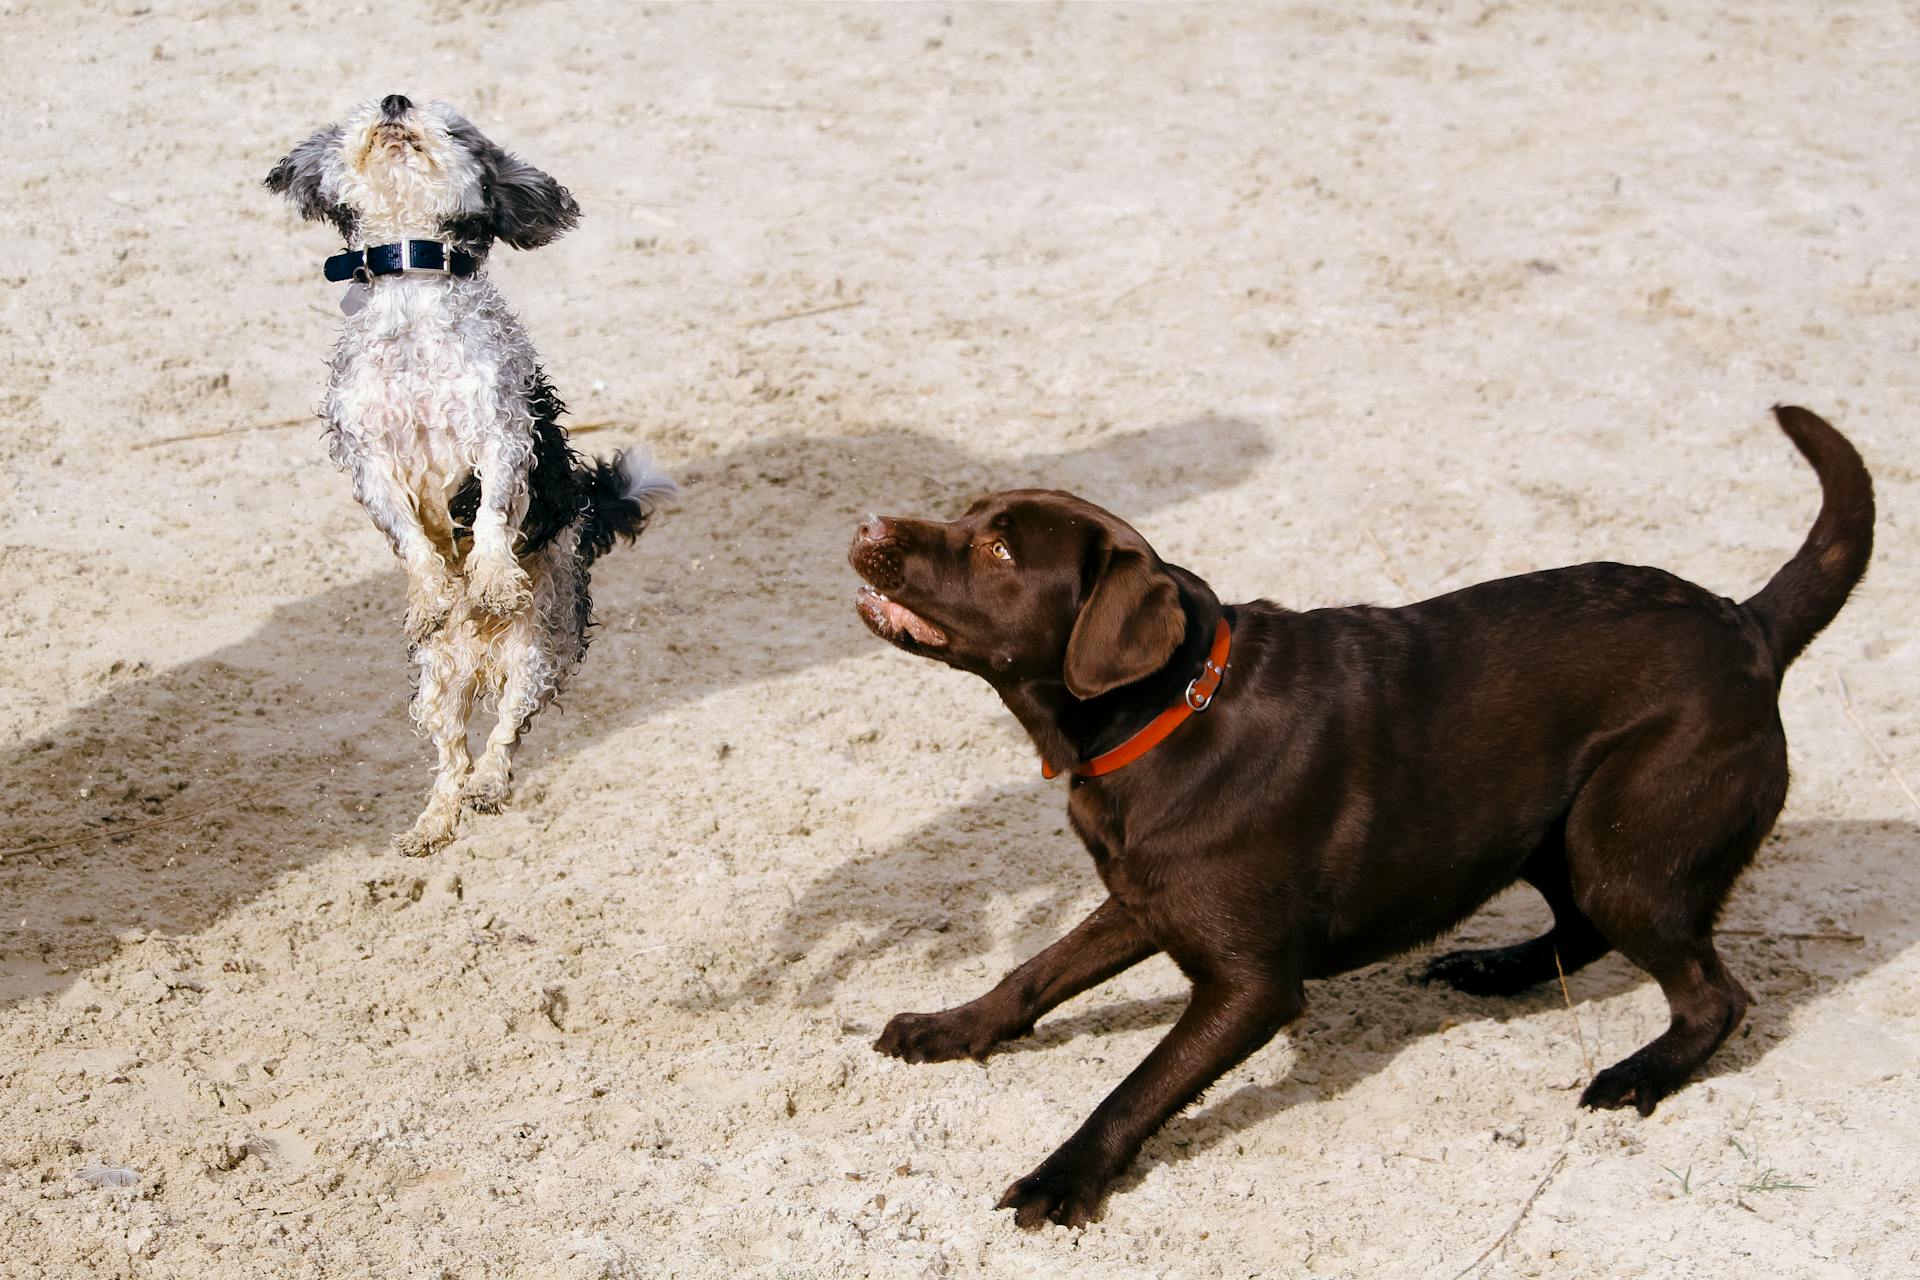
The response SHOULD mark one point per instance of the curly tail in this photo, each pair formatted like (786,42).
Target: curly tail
(1809,589)
(622,493)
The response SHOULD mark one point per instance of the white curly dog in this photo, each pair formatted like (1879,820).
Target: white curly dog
(451,432)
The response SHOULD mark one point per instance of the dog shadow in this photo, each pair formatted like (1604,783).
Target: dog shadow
(941,895)
(1802,861)
(1010,845)
(156,806)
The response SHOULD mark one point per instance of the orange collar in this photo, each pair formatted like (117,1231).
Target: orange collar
(1199,696)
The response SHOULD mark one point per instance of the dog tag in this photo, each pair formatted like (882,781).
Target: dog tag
(354,299)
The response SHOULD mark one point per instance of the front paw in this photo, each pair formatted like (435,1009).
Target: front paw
(499,587)
(936,1037)
(1063,1190)
(433,830)
(429,603)
(487,789)
(1626,1084)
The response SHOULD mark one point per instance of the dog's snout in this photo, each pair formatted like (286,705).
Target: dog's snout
(876,553)
(395,105)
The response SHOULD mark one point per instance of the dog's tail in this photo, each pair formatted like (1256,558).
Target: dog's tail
(622,494)
(1809,589)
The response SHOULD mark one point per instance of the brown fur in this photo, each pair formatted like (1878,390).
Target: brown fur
(1366,778)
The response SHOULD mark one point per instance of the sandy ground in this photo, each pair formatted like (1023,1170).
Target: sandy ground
(1334,306)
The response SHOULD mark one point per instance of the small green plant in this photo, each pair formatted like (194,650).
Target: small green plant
(1772,1180)
(1764,1179)
(1757,1177)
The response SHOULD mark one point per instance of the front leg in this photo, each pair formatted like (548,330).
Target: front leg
(496,582)
(430,584)
(1099,947)
(1228,1018)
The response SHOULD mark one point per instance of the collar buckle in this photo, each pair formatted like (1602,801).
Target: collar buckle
(446,257)
(1201,688)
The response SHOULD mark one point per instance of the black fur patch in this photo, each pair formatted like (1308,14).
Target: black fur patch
(556,483)
(563,487)
(611,514)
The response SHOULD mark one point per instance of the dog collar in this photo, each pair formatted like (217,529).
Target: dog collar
(1199,697)
(436,256)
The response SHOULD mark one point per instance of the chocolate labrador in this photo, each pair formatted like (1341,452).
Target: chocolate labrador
(1271,796)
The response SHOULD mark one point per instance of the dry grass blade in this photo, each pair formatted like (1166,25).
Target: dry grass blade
(1846,706)
(123,829)
(1585,1059)
(1831,935)
(128,828)
(801,315)
(1406,590)
(1517,1219)
(240,429)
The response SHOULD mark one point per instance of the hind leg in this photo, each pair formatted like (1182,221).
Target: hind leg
(1572,943)
(1655,841)
(533,656)
(523,692)
(1707,1003)
(449,677)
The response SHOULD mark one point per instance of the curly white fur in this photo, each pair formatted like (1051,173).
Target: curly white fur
(430,386)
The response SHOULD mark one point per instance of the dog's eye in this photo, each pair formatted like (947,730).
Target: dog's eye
(998,550)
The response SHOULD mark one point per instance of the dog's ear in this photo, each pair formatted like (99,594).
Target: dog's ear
(523,206)
(527,207)
(301,178)
(1129,626)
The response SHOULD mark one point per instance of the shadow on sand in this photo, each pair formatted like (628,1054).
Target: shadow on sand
(143,809)
(1011,844)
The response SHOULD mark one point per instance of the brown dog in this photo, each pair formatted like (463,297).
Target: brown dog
(1361,779)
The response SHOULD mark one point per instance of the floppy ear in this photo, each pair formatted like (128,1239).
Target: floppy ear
(1128,627)
(528,208)
(301,175)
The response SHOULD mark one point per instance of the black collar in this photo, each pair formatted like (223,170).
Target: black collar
(435,256)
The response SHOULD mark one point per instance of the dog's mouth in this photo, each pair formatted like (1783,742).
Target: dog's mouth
(893,621)
(397,140)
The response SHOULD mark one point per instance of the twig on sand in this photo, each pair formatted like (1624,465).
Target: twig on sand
(738,105)
(238,429)
(764,321)
(118,830)
(582,428)
(1831,935)
(1128,292)
(1846,705)
(1387,560)
(1578,1034)
(1517,1218)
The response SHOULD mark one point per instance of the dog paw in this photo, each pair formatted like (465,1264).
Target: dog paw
(432,831)
(935,1037)
(424,618)
(499,587)
(1492,971)
(1062,1191)
(1625,1084)
(487,790)
(429,603)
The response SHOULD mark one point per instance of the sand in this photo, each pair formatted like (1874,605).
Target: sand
(1335,305)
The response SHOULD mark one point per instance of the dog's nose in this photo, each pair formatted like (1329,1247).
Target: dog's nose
(395,105)
(873,529)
